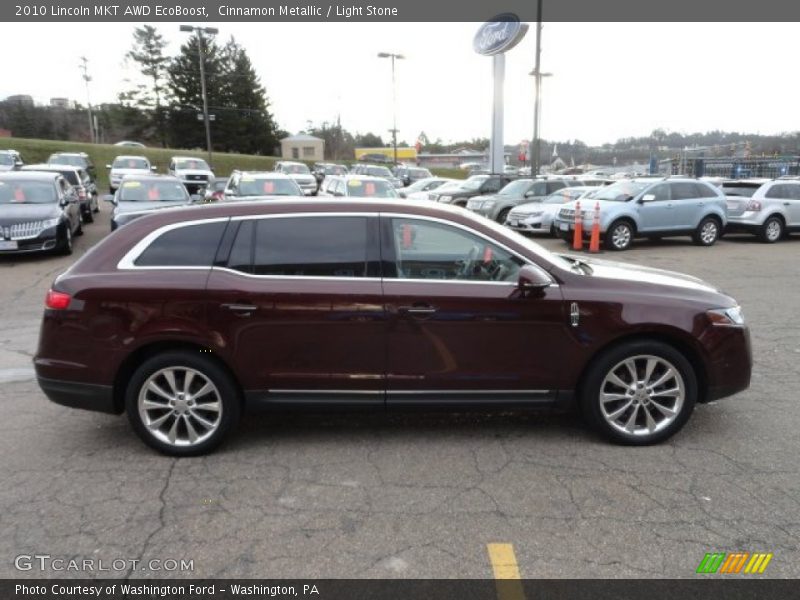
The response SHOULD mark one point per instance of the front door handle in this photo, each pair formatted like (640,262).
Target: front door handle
(418,310)
(243,310)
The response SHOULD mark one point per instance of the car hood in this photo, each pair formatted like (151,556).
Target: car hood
(185,172)
(6,167)
(626,272)
(21,213)
(129,207)
(124,171)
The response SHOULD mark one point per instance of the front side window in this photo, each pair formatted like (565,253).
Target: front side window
(661,192)
(553,186)
(429,250)
(188,246)
(303,246)
(492,186)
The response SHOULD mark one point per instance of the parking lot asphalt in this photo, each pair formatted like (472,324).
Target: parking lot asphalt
(414,495)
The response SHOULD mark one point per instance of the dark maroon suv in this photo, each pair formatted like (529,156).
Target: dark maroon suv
(186,317)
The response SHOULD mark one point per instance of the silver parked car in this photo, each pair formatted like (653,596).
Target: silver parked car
(300,173)
(540,214)
(768,208)
(127,165)
(673,206)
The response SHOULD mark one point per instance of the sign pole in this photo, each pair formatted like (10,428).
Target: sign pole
(497,155)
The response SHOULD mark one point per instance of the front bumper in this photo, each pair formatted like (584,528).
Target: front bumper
(528,223)
(88,396)
(45,241)
(731,361)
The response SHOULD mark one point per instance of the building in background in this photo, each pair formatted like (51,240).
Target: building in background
(303,147)
(61,103)
(23,99)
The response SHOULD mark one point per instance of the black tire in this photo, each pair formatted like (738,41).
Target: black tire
(66,243)
(707,232)
(226,392)
(610,362)
(79,230)
(619,235)
(96,204)
(503,215)
(772,230)
(87,216)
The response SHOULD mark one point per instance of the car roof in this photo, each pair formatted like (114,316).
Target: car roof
(81,154)
(291,162)
(354,177)
(188,158)
(53,168)
(263,174)
(128,156)
(747,181)
(28,176)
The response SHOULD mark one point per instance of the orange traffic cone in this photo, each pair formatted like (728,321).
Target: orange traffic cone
(577,240)
(594,243)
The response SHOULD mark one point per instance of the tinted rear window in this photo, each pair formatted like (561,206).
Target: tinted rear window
(189,246)
(311,247)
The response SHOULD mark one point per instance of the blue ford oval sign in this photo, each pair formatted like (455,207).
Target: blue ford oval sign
(499,34)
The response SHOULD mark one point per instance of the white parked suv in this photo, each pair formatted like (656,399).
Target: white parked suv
(193,172)
(768,208)
(127,165)
(300,173)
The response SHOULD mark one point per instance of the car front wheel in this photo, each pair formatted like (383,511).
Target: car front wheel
(639,393)
(619,236)
(182,404)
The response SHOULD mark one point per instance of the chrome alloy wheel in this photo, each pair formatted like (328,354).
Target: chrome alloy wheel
(180,406)
(642,395)
(709,232)
(621,236)
(774,230)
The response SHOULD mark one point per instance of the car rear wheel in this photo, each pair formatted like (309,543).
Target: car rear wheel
(619,235)
(772,230)
(182,404)
(707,232)
(639,393)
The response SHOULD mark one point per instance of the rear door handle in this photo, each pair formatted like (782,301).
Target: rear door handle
(243,310)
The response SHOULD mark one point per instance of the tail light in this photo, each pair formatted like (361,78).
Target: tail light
(57,300)
(753,205)
(81,193)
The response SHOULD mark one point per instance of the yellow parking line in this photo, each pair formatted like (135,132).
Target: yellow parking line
(506,572)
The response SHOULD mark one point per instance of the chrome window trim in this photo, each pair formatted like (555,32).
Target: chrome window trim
(468,392)
(127,261)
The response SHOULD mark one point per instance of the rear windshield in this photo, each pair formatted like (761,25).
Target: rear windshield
(267,186)
(152,191)
(130,163)
(379,172)
(358,188)
(27,192)
(738,189)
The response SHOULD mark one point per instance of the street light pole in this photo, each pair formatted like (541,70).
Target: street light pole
(86,78)
(537,73)
(201,58)
(394,98)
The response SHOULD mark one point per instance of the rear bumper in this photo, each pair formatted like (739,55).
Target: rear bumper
(88,396)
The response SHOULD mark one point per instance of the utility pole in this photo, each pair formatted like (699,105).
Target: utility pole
(394,98)
(201,58)
(537,73)
(86,78)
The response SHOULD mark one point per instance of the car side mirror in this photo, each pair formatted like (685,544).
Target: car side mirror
(402,194)
(108,166)
(531,278)
(648,198)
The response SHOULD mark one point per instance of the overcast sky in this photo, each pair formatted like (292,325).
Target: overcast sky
(610,80)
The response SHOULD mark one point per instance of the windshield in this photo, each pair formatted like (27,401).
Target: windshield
(379,172)
(130,163)
(474,182)
(152,191)
(746,191)
(195,164)
(563,195)
(267,186)
(620,192)
(6,159)
(335,170)
(516,188)
(295,169)
(27,192)
(358,188)
(66,159)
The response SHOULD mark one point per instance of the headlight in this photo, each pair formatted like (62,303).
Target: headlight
(488,203)
(726,317)
(51,223)
(445,198)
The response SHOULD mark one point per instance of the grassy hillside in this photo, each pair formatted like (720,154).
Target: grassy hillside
(35,151)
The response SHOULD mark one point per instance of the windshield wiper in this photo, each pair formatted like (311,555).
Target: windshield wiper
(579,264)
